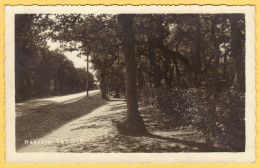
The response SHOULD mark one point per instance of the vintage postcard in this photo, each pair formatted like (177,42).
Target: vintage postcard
(130,84)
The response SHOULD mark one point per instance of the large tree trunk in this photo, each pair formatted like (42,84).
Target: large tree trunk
(196,65)
(178,76)
(180,59)
(140,78)
(224,75)
(103,85)
(157,77)
(134,123)
(116,87)
(237,53)
(216,55)
(117,90)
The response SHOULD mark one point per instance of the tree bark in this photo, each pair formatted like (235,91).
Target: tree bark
(196,58)
(237,53)
(216,55)
(117,90)
(140,78)
(180,59)
(103,85)
(157,77)
(224,76)
(134,123)
(178,76)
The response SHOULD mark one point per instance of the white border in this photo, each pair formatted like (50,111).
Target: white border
(220,157)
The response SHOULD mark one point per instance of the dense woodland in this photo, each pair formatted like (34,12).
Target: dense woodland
(40,72)
(191,66)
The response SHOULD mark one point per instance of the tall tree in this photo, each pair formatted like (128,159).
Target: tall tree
(237,52)
(134,122)
(196,62)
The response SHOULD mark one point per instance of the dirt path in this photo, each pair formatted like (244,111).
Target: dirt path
(94,132)
(86,129)
(30,106)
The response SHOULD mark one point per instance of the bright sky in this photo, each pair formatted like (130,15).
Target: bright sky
(79,62)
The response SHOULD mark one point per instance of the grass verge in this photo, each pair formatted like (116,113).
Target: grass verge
(50,117)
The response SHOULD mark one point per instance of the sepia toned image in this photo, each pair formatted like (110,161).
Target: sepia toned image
(132,83)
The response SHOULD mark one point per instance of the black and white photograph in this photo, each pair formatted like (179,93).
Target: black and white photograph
(131,80)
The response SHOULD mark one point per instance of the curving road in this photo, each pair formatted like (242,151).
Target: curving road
(30,106)
(88,129)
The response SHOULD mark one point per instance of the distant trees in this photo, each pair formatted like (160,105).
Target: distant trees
(40,72)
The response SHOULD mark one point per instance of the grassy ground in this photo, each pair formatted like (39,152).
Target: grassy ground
(50,117)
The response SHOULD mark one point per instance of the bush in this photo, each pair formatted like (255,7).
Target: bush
(219,116)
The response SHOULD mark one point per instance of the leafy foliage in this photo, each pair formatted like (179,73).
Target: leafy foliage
(40,72)
(218,116)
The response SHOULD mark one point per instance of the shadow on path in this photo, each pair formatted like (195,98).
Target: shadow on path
(202,147)
(117,100)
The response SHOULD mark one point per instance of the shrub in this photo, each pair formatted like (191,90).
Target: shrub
(219,116)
